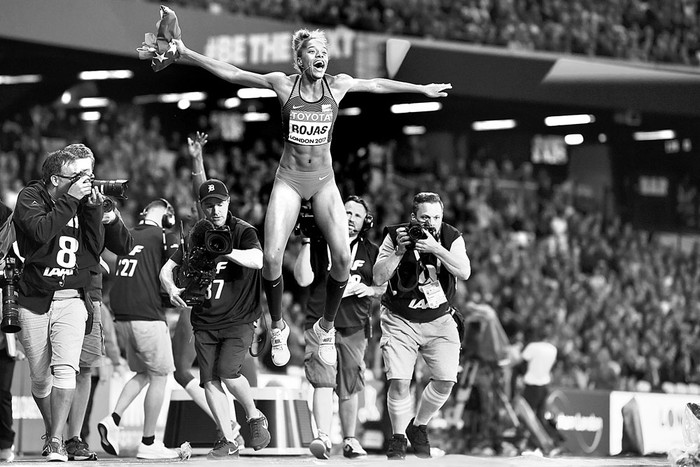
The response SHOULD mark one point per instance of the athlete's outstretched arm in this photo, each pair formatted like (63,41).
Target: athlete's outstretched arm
(387,86)
(227,71)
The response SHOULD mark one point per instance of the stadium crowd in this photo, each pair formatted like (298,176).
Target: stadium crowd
(649,31)
(620,306)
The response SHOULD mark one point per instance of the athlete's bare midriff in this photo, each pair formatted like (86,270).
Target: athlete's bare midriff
(306,158)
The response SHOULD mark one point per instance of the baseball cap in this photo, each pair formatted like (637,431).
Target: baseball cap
(213,189)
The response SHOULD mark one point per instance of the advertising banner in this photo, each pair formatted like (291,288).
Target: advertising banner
(658,416)
(583,419)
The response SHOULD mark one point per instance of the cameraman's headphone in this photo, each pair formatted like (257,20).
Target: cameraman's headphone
(168,220)
(369,218)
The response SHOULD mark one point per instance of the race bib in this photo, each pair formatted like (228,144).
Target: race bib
(310,128)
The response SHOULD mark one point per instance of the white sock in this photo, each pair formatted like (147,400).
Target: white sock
(430,402)
(400,413)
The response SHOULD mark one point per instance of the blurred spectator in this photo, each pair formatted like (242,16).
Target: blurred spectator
(662,31)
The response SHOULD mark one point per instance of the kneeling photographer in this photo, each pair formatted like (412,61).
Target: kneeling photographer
(219,273)
(422,261)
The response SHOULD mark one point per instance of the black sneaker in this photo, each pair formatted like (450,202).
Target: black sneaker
(259,436)
(418,436)
(78,450)
(397,448)
(56,450)
(224,449)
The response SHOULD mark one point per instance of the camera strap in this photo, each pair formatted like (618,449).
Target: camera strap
(420,268)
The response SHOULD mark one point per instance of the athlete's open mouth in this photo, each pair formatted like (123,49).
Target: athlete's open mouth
(319,64)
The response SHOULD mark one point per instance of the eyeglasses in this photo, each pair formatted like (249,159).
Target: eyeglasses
(74,177)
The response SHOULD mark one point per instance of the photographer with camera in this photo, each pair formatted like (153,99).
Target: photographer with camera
(422,261)
(10,318)
(117,239)
(352,324)
(219,275)
(140,318)
(58,223)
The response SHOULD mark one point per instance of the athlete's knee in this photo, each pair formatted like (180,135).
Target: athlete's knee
(341,260)
(272,260)
(64,377)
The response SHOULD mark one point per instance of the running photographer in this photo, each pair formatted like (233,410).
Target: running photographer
(224,285)
(422,261)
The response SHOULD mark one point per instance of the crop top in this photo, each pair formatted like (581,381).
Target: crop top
(309,123)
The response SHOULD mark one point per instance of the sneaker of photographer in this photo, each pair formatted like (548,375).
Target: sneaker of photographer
(224,449)
(326,344)
(397,448)
(45,449)
(78,450)
(280,350)
(7,454)
(321,446)
(418,436)
(57,450)
(352,448)
(259,435)
(157,450)
(109,435)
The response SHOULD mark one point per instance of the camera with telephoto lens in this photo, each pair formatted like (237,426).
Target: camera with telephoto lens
(9,279)
(417,231)
(115,188)
(218,240)
(306,222)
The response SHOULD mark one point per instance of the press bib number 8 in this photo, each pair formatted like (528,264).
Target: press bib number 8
(66,255)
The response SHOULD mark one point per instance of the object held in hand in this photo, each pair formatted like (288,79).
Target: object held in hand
(160,47)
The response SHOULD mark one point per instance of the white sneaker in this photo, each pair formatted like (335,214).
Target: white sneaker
(8,454)
(352,448)
(109,435)
(326,347)
(280,350)
(156,451)
(321,446)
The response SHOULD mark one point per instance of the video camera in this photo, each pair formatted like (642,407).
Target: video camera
(218,240)
(198,268)
(9,279)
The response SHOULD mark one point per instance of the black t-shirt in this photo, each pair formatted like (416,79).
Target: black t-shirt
(353,310)
(135,295)
(234,297)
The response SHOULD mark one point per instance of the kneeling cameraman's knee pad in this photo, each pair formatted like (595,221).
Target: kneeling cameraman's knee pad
(64,377)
